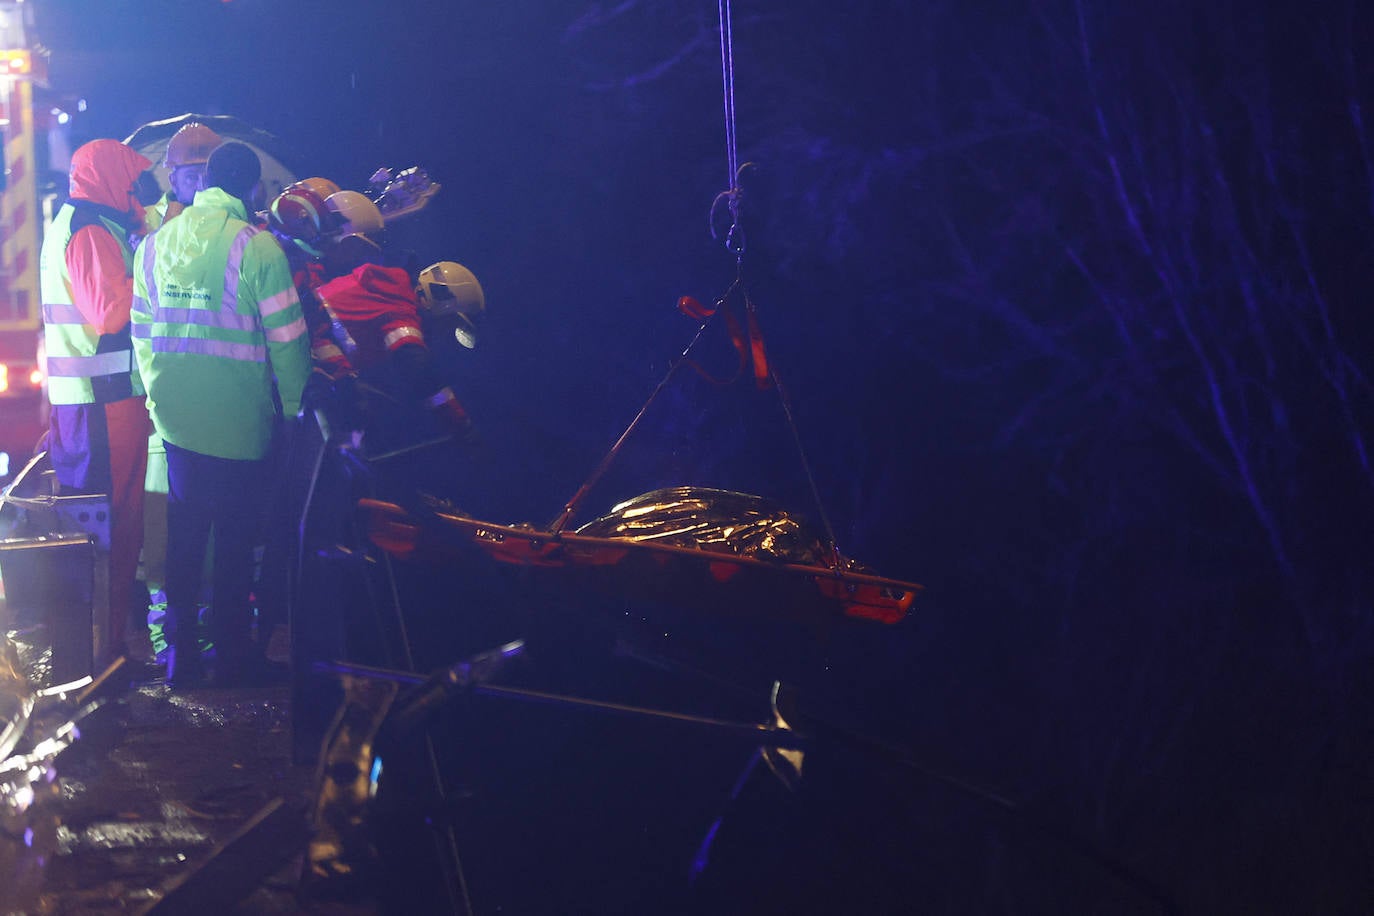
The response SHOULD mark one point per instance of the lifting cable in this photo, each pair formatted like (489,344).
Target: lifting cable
(735,243)
(571,507)
(747,338)
(734,240)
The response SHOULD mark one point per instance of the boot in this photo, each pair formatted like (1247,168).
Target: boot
(185,670)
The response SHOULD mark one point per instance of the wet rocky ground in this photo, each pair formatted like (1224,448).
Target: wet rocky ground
(168,800)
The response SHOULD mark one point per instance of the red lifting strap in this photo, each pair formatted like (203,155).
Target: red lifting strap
(748,343)
(762,374)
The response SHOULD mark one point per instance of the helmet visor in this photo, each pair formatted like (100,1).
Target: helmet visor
(465,332)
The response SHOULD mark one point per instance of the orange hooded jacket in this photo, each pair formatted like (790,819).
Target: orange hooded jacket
(103,172)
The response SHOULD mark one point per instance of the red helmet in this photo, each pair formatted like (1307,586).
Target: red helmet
(321,186)
(299,214)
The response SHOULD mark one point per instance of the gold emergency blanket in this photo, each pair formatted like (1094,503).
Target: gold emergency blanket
(721,521)
(692,546)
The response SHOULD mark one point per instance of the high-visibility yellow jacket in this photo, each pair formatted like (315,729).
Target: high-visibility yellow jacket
(215,320)
(79,358)
(84,272)
(166,207)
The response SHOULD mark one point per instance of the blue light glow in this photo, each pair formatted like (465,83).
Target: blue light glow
(373,777)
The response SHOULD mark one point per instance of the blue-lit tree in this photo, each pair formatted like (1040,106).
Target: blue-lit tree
(1079,294)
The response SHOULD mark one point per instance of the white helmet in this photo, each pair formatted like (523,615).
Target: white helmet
(448,288)
(354,214)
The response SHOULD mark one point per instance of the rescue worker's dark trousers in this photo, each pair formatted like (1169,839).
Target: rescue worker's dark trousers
(205,493)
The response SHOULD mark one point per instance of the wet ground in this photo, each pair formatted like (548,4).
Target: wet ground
(162,791)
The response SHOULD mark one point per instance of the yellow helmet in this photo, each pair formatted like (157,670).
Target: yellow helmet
(448,288)
(354,214)
(191,145)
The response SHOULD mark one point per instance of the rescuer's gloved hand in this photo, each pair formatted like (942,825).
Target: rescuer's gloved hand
(318,392)
(454,418)
(350,403)
(462,429)
(286,438)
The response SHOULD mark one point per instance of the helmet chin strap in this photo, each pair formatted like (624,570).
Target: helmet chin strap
(307,248)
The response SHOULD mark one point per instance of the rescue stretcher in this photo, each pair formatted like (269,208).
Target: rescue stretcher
(693,546)
(664,546)
(694,551)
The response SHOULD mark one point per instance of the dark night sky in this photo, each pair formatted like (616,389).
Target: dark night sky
(999,393)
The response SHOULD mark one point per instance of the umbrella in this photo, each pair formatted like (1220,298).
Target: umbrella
(278,170)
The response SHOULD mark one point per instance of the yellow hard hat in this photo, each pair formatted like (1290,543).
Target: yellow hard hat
(447,288)
(354,214)
(192,145)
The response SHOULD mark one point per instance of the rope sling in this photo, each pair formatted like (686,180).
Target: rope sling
(746,335)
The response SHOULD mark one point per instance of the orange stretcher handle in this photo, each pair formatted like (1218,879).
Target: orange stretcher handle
(390,527)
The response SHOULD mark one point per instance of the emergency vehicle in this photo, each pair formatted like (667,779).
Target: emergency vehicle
(23,171)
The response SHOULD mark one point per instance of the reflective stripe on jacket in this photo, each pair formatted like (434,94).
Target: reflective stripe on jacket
(372,313)
(83,365)
(215,319)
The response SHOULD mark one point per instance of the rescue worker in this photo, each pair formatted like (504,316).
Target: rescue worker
(98,425)
(216,320)
(317,494)
(374,324)
(375,378)
(299,219)
(187,153)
